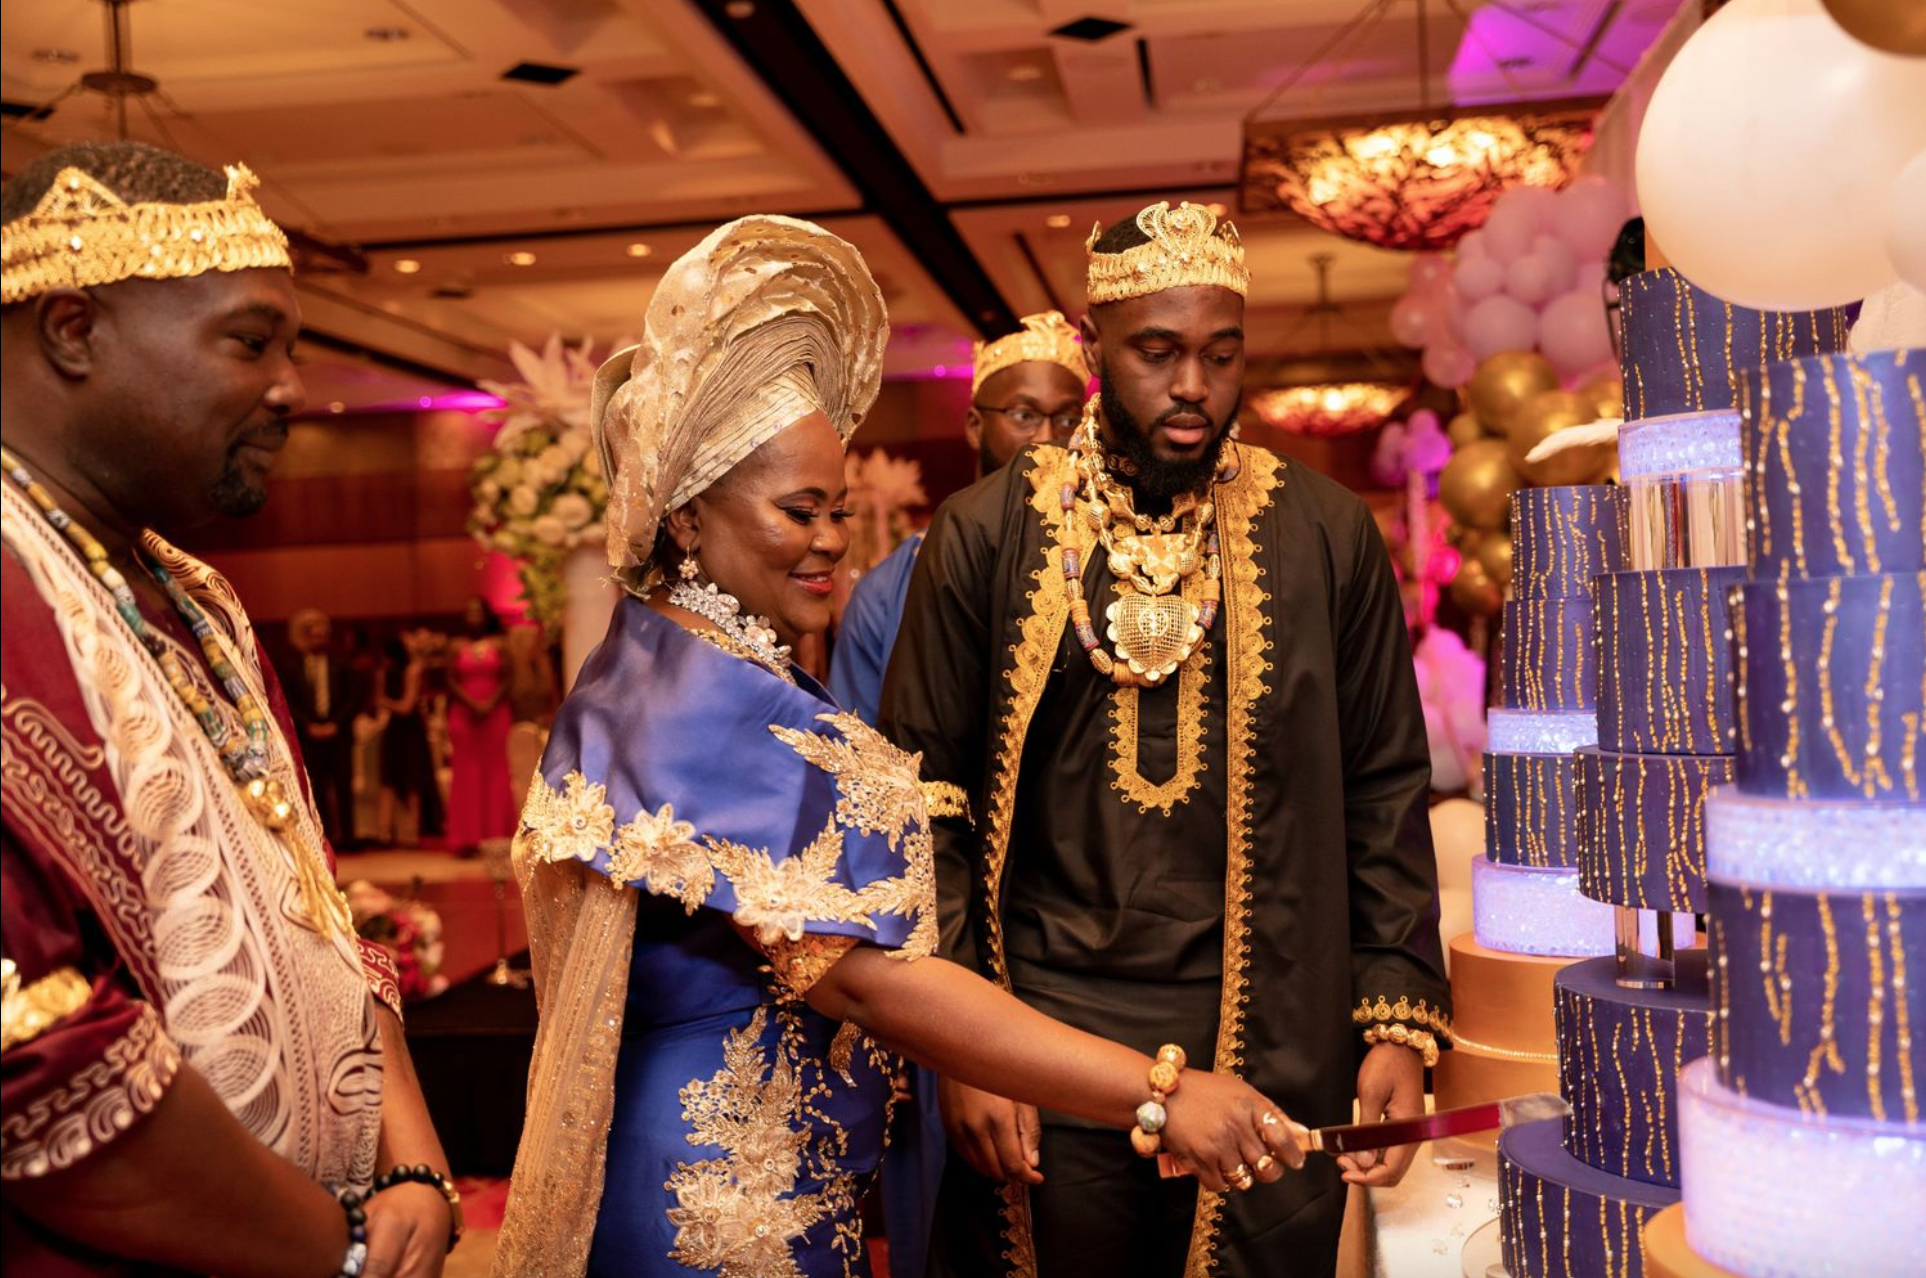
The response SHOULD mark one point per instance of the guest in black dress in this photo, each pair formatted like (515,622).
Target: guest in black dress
(407,764)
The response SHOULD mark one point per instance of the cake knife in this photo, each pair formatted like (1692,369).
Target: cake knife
(1352,1137)
(1509,1112)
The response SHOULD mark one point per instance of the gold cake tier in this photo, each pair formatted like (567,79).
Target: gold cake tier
(1501,1000)
(1505,1042)
(1668,1255)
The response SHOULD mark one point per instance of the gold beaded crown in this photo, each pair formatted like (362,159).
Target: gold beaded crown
(1187,247)
(82,235)
(1046,338)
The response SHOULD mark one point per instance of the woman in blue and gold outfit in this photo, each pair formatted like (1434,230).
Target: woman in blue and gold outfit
(728,881)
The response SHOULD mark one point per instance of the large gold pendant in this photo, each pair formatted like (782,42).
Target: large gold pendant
(1153,633)
(321,898)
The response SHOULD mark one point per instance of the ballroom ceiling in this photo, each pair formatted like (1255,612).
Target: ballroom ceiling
(476,171)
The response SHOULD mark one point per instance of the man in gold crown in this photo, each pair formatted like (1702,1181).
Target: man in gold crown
(1026,387)
(1170,673)
(201,1065)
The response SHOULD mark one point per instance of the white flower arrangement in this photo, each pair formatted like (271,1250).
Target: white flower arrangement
(539,491)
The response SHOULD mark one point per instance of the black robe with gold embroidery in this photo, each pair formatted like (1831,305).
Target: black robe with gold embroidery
(1060,873)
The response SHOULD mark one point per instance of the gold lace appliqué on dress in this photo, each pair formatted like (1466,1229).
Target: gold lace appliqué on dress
(741,1214)
(662,853)
(1192,678)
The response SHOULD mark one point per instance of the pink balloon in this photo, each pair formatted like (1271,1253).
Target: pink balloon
(1414,319)
(1559,257)
(1448,364)
(1529,279)
(1423,422)
(1472,246)
(1427,451)
(1588,215)
(1515,221)
(1479,278)
(1587,278)
(1430,270)
(1572,333)
(1500,324)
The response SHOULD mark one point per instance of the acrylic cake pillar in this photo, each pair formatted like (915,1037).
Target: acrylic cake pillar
(1803,1146)
(1576,1193)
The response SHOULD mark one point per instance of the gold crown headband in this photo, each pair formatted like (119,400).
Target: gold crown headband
(1046,338)
(1187,247)
(82,235)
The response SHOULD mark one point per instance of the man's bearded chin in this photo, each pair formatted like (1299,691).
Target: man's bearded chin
(1157,476)
(234,493)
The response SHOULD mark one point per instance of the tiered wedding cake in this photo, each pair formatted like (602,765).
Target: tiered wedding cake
(1803,1146)
(1576,1193)
(1529,919)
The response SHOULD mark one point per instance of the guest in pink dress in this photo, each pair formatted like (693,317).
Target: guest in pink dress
(480,805)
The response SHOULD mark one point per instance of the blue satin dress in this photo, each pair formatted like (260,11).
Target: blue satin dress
(746,1126)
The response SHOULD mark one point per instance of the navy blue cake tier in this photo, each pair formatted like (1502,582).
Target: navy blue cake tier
(1665,664)
(1619,1056)
(1641,826)
(1550,661)
(1820,998)
(1563,537)
(1531,809)
(1832,687)
(1684,349)
(1835,465)
(1565,1219)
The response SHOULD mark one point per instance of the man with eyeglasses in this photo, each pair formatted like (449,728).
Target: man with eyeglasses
(1027,388)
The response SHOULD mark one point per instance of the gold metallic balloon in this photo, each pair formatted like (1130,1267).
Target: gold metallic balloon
(1494,555)
(1541,417)
(1606,393)
(1464,429)
(1474,590)
(1504,382)
(1477,483)
(1894,26)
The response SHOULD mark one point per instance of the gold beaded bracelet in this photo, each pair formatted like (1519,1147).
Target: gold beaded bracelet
(1420,1041)
(1165,1073)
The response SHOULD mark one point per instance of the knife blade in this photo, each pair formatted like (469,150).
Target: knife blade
(1352,1137)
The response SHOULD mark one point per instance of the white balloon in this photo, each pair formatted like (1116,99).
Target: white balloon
(1767,155)
(1906,223)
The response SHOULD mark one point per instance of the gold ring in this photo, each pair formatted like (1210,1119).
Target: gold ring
(1265,1163)
(1240,1178)
(1270,1118)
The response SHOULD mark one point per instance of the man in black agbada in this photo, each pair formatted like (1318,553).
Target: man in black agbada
(1234,855)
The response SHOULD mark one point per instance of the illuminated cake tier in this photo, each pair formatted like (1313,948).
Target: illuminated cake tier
(1835,465)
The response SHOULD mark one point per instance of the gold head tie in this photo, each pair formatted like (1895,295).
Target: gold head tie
(1188,246)
(1046,338)
(82,235)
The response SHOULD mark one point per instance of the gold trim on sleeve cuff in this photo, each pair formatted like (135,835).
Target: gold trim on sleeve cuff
(943,799)
(1417,1015)
(30,1010)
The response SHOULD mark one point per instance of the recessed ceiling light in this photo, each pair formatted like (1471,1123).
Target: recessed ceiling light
(59,57)
(386,35)
(704,99)
(520,257)
(1025,73)
(426,401)
(1217,208)
(407,266)
(337,407)
(1057,221)
(740,10)
(639,250)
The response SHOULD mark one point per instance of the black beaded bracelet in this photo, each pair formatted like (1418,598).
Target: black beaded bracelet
(356,1257)
(423,1174)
